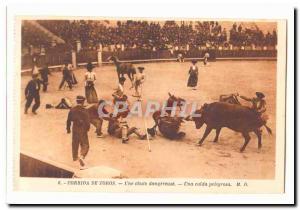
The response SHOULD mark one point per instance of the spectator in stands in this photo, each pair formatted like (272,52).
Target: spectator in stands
(144,35)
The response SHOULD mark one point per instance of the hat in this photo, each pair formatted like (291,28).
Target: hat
(80,99)
(194,61)
(260,95)
(141,68)
(89,66)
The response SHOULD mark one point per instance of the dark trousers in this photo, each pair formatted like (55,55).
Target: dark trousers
(63,82)
(80,139)
(36,105)
(45,84)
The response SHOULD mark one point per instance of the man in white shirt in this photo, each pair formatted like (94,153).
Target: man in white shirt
(138,82)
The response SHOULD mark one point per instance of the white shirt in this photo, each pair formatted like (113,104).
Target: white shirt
(140,77)
(90,76)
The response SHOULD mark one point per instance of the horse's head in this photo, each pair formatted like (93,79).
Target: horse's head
(172,99)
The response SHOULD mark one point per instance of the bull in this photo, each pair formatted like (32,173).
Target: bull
(235,117)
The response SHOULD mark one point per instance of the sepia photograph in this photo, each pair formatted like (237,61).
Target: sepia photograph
(117,98)
(149,103)
(128,104)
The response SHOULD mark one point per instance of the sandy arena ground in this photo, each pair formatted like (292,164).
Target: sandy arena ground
(45,134)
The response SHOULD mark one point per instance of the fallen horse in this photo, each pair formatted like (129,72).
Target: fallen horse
(168,125)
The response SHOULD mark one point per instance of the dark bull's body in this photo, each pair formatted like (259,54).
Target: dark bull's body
(235,117)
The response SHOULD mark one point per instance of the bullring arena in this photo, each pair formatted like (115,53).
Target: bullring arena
(168,158)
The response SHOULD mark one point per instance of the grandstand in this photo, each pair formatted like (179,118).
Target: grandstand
(140,40)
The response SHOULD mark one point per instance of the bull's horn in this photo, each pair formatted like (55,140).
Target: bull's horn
(169,94)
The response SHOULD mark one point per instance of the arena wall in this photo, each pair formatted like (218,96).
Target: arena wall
(137,56)
(31,166)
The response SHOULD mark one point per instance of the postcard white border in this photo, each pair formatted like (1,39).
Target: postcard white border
(176,11)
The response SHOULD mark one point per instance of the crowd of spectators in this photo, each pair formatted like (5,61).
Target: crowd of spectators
(149,34)
(240,36)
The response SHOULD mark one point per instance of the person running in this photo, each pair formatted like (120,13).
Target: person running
(32,92)
(193,78)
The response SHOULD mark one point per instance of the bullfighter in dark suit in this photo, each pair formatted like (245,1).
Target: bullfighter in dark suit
(44,75)
(67,77)
(32,92)
(81,125)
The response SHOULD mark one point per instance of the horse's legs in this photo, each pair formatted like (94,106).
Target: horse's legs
(156,116)
(118,73)
(207,131)
(217,135)
(258,134)
(130,77)
(94,123)
(247,139)
(98,125)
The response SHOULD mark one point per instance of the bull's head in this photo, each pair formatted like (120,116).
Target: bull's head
(197,116)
